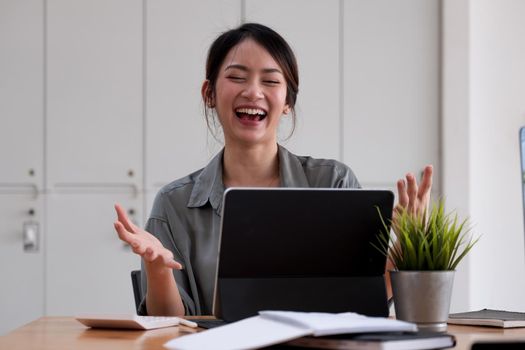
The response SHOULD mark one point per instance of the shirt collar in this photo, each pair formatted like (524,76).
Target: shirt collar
(291,170)
(210,188)
(208,185)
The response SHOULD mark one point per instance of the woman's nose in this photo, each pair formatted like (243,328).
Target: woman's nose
(253,91)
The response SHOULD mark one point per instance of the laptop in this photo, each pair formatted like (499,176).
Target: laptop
(301,249)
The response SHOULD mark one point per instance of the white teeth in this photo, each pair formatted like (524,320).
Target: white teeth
(252,111)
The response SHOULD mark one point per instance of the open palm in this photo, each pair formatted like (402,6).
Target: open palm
(142,242)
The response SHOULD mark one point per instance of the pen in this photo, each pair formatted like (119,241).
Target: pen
(188,323)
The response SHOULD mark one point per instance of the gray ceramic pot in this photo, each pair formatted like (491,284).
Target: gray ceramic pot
(423,297)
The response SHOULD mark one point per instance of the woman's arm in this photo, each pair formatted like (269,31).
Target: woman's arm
(163,297)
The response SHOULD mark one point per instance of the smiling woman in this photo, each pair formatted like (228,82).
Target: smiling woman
(251,83)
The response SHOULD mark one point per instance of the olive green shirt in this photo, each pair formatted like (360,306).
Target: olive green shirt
(186,219)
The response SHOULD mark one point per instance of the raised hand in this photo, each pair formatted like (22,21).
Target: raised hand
(415,199)
(143,243)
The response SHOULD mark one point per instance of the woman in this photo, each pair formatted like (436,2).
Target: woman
(251,83)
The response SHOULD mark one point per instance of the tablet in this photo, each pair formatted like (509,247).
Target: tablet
(302,249)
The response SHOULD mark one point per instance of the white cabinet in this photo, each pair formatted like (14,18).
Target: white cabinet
(88,267)
(179,34)
(21,94)
(21,159)
(312,29)
(94,92)
(391,88)
(22,265)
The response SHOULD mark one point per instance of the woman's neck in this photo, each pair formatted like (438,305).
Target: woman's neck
(251,167)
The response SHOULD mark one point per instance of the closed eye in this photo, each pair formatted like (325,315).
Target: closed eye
(235,78)
(272,82)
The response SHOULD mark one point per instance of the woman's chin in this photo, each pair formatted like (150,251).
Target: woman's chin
(252,138)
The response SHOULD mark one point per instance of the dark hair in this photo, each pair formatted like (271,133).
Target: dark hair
(276,46)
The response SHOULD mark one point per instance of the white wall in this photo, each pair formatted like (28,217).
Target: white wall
(497,107)
(391,89)
(485,68)
(455,128)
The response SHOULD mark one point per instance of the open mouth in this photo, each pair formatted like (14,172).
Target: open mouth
(253,114)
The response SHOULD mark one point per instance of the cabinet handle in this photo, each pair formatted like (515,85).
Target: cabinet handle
(71,186)
(6,187)
(30,236)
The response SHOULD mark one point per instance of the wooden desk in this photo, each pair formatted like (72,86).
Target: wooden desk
(57,333)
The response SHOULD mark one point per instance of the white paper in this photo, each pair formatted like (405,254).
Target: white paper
(274,327)
(250,333)
(322,324)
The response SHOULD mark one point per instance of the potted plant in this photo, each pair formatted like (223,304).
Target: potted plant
(425,250)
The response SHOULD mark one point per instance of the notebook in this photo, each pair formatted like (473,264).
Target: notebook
(301,249)
(378,341)
(488,317)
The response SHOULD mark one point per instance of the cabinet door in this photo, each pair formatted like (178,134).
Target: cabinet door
(94,92)
(391,88)
(22,265)
(312,30)
(21,92)
(88,267)
(179,34)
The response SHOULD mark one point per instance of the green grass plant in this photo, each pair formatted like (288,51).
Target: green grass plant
(420,244)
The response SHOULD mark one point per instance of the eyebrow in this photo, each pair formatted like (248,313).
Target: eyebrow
(245,69)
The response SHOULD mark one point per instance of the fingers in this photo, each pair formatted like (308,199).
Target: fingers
(414,198)
(130,239)
(402,193)
(426,183)
(124,220)
(412,192)
(124,234)
(164,256)
(172,264)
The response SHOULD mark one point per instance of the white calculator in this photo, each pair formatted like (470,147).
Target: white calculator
(132,321)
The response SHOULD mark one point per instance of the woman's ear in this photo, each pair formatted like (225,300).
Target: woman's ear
(207,95)
(286,109)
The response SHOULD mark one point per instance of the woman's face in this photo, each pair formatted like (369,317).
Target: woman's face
(250,95)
